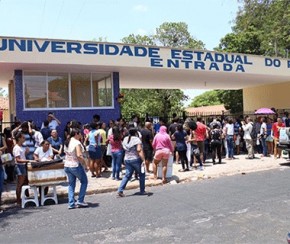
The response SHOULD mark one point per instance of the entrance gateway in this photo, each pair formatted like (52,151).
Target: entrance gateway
(76,79)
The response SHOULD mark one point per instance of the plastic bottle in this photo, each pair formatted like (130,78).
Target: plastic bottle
(142,169)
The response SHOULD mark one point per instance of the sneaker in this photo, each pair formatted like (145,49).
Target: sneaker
(120,194)
(200,168)
(71,207)
(82,204)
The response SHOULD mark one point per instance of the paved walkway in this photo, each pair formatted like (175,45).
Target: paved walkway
(240,165)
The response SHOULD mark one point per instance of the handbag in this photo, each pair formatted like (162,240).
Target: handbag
(6,157)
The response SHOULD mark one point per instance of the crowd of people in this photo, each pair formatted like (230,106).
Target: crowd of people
(97,146)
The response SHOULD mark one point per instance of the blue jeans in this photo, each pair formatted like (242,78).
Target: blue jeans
(1,181)
(230,144)
(74,173)
(116,163)
(264,146)
(131,166)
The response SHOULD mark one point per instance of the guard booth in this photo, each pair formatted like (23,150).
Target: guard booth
(77,79)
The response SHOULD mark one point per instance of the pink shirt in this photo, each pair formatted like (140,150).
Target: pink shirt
(116,145)
(162,140)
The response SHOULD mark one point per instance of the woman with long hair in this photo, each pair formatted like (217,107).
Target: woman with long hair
(19,153)
(115,140)
(73,167)
(134,161)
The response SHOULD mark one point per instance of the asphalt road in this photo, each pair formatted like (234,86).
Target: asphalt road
(251,208)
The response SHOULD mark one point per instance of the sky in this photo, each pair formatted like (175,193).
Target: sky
(207,20)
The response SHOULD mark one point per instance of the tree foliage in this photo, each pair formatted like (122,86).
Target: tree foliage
(206,99)
(176,34)
(158,102)
(155,102)
(261,27)
(232,99)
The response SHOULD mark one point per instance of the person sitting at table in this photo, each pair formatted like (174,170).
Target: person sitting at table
(44,152)
(56,144)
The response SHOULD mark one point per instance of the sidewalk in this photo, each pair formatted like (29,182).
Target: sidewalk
(240,165)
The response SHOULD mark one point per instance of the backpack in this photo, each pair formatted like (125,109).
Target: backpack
(215,135)
(253,133)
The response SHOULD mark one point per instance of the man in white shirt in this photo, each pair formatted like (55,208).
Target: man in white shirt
(248,127)
(229,133)
(53,121)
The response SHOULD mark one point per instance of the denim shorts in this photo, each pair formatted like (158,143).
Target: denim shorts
(20,169)
(95,152)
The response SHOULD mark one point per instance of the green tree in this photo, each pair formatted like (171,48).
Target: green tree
(262,27)
(176,34)
(155,102)
(139,39)
(205,99)
(232,100)
(159,102)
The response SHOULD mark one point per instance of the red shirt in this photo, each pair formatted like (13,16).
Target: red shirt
(276,128)
(200,132)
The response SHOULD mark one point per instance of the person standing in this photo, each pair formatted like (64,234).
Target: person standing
(134,161)
(229,133)
(19,153)
(269,139)
(95,153)
(180,137)
(3,147)
(115,140)
(247,128)
(201,134)
(276,133)
(237,135)
(73,168)
(163,148)
(29,142)
(172,128)
(103,133)
(263,136)
(147,139)
(216,143)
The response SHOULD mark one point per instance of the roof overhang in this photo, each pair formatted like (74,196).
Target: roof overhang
(142,66)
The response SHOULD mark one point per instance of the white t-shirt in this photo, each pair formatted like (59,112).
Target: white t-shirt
(43,156)
(263,129)
(38,138)
(52,125)
(19,152)
(230,129)
(71,159)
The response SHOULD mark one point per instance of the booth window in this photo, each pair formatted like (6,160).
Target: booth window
(67,90)
(35,90)
(58,90)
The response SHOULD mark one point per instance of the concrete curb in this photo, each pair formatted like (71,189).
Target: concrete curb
(176,179)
